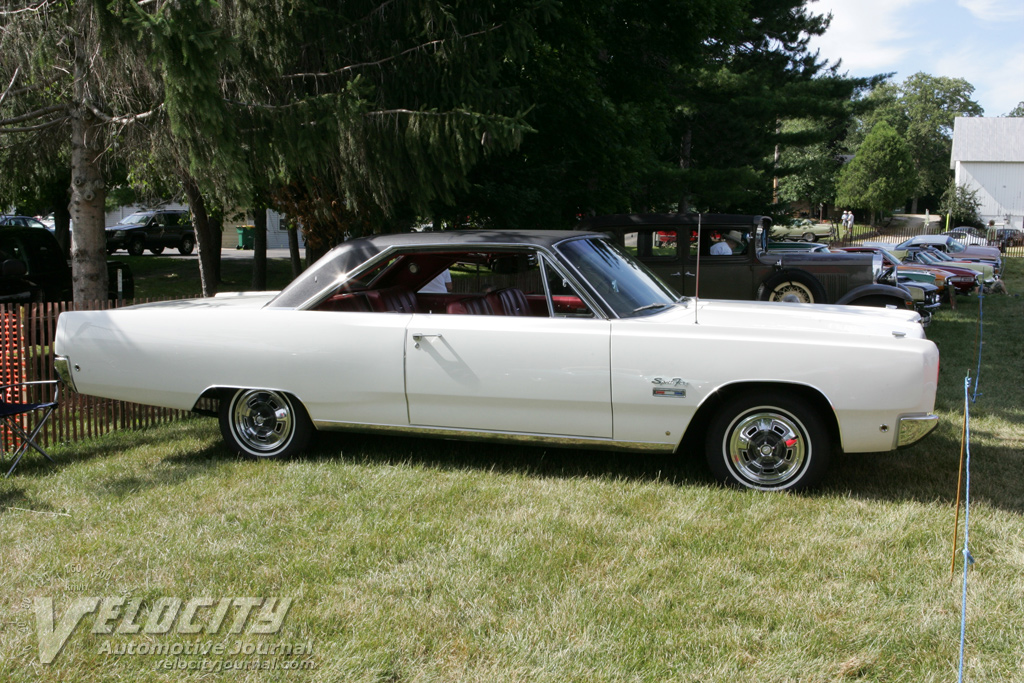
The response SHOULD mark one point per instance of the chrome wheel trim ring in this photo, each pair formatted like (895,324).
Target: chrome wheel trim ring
(263,421)
(767,447)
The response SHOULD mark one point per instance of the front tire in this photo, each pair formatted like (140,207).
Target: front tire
(768,441)
(810,237)
(260,423)
(137,247)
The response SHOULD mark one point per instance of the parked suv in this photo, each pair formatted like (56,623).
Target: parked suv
(153,230)
(33,268)
(735,262)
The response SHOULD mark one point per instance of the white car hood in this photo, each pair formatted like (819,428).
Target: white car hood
(796,319)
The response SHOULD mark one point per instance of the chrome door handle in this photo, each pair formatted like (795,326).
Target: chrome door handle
(420,336)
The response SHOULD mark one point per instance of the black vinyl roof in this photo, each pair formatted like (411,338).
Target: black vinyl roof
(349,255)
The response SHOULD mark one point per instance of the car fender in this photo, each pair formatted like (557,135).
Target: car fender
(857,293)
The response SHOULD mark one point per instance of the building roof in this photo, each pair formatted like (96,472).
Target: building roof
(987,139)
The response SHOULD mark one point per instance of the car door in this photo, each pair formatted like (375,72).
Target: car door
(511,373)
(714,276)
(172,224)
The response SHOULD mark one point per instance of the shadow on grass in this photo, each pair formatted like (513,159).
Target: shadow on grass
(15,499)
(180,469)
(924,473)
(929,472)
(449,455)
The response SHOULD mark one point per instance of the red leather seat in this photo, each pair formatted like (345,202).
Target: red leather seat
(394,300)
(476,305)
(509,301)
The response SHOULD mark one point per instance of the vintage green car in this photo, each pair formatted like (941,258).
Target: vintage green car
(802,229)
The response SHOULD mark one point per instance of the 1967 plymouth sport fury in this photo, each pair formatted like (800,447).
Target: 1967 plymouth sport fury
(546,337)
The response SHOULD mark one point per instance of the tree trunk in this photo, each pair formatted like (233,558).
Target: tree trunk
(206,241)
(293,249)
(685,161)
(913,205)
(88,190)
(62,226)
(259,248)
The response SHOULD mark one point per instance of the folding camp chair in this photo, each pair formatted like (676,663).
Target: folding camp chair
(14,414)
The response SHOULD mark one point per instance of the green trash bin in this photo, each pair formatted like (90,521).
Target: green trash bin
(246,236)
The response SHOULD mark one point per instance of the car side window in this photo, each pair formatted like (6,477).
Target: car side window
(652,244)
(565,301)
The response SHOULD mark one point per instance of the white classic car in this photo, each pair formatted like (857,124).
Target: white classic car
(547,337)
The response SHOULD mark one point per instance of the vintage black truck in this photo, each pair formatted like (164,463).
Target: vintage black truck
(735,262)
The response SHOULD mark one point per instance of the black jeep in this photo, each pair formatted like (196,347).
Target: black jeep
(735,263)
(154,230)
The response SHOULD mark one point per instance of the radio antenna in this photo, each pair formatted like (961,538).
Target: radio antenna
(696,285)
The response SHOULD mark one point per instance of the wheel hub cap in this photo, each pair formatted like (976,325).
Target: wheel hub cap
(767,448)
(262,420)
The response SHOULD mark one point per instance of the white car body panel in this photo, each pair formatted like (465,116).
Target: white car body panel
(585,378)
(136,355)
(510,374)
(707,354)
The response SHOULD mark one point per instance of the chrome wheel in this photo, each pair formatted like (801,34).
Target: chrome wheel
(264,424)
(768,440)
(766,448)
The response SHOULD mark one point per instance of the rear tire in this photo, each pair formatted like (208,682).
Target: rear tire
(188,243)
(792,285)
(259,423)
(768,441)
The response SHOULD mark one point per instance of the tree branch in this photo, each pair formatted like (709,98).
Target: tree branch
(31,8)
(38,113)
(32,129)
(352,67)
(128,118)
(9,85)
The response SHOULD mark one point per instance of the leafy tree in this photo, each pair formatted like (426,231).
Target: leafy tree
(1018,111)
(922,109)
(659,106)
(961,204)
(881,176)
(390,105)
(808,173)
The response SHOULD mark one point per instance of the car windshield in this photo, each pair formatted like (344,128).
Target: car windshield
(929,257)
(955,247)
(626,285)
(889,256)
(138,217)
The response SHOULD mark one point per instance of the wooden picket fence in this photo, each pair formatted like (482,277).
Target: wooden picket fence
(27,332)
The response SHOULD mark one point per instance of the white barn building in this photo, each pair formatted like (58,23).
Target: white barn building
(988,156)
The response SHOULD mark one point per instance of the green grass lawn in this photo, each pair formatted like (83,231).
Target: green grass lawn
(420,560)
